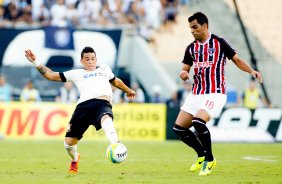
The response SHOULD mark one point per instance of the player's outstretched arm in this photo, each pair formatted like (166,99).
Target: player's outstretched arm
(45,71)
(118,83)
(245,67)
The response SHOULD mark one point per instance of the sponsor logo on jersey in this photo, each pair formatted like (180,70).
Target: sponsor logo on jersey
(98,74)
(203,64)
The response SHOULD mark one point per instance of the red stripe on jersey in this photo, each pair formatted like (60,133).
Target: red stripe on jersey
(222,76)
(196,82)
(213,69)
(203,74)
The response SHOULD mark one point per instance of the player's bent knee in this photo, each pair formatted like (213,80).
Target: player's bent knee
(106,116)
(200,125)
(182,132)
(71,141)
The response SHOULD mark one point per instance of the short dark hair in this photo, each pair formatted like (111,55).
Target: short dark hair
(87,50)
(200,17)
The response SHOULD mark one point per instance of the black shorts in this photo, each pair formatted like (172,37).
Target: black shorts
(88,113)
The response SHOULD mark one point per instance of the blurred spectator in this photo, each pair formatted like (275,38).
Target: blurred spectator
(5,90)
(156,96)
(40,13)
(170,13)
(152,19)
(48,3)
(232,97)
(72,15)
(59,14)
(11,12)
(153,14)
(29,93)
(24,17)
(89,12)
(3,21)
(72,2)
(112,13)
(174,101)
(251,97)
(117,95)
(67,93)
(134,11)
(139,96)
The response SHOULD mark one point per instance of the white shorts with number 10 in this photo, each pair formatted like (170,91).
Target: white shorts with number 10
(212,103)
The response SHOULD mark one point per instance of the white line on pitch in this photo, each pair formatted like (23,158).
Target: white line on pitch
(260,158)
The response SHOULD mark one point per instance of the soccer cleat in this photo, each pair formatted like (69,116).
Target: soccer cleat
(207,167)
(74,165)
(198,164)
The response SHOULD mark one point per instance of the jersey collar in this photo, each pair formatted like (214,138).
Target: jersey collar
(206,41)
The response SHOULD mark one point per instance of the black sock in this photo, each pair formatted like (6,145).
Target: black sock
(204,136)
(189,138)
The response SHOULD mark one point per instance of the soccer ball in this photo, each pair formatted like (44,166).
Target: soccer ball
(116,152)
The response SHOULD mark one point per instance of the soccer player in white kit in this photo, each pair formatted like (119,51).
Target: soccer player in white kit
(94,105)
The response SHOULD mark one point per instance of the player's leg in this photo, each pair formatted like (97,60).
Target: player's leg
(203,133)
(71,146)
(210,106)
(199,123)
(77,126)
(109,129)
(181,128)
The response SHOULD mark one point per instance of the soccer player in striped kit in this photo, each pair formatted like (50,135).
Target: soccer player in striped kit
(207,53)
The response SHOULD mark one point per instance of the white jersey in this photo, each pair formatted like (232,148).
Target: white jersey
(91,84)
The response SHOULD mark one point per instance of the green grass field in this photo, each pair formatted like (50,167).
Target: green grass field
(46,162)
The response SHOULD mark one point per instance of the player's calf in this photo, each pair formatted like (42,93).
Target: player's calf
(190,139)
(204,137)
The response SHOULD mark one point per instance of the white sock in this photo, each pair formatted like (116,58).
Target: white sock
(110,131)
(72,151)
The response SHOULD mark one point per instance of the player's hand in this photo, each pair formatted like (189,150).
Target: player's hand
(257,75)
(29,55)
(184,75)
(130,95)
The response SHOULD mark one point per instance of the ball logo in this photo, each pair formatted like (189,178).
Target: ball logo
(122,154)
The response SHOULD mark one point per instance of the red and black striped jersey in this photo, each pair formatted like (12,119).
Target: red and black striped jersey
(209,61)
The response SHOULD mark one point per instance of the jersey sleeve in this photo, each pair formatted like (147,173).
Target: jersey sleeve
(188,59)
(228,50)
(109,72)
(68,75)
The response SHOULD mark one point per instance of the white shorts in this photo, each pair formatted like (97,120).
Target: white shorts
(212,103)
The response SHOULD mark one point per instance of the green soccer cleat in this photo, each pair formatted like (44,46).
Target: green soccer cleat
(207,167)
(198,164)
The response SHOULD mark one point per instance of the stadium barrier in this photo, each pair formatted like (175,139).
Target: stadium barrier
(138,122)
(239,125)
(48,120)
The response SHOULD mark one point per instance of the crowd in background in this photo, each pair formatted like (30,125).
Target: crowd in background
(147,15)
